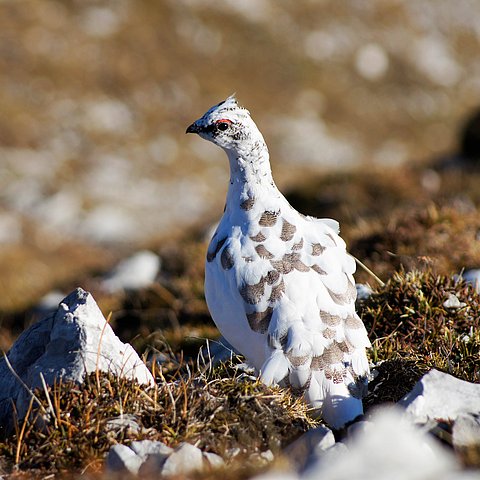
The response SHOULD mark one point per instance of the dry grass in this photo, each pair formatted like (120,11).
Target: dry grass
(412,331)
(443,238)
(220,411)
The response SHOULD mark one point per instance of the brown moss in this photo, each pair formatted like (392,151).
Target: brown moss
(408,319)
(443,238)
(220,411)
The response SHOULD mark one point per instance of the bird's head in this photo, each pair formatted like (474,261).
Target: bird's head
(227,125)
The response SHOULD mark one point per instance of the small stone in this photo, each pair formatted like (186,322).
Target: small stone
(262,458)
(153,455)
(212,459)
(50,301)
(439,395)
(392,448)
(217,351)
(152,465)
(371,61)
(135,272)
(332,455)
(122,459)
(144,448)
(311,444)
(185,458)
(453,302)
(361,427)
(473,277)
(363,291)
(123,422)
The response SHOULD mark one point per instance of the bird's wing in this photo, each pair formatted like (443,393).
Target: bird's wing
(315,339)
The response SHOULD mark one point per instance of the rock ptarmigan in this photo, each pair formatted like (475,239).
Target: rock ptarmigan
(279,285)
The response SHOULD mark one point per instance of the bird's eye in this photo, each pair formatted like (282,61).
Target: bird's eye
(223,125)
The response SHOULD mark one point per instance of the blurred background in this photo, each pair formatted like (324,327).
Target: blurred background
(95,97)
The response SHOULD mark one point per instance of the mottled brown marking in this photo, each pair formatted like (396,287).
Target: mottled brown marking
(298,361)
(263,252)
(294,260)
(353,322)
(337,375)
(288,231)
(343,298)
(259,321)
(272,277)
(329,333)
(282,266)
(277,292)
(318,269)
(346,347)
(226,259)
(329,319)
(259,237)
(268,219)
(252,294)
(333,354)
(247,204)
(318,363)
(298,246)
(212,254)
(300,266)
(317,249)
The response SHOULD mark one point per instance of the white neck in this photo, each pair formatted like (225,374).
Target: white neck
(250,172)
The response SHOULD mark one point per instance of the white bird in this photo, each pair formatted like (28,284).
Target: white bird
(279,285)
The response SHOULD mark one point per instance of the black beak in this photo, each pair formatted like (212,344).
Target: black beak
(192,128)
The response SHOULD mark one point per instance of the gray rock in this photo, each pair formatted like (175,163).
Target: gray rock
(74,341)
(133,273)
(453,302)
(143,457)
(363,291)
(123,422)
(122,459)
(306,449)
(334,454)
(466,432)
(358,428)
(214,460)
(473,277)
(185,458)
(144,448)
(152,465)
(217,351)
(392,449)
(441,396)
(261,458)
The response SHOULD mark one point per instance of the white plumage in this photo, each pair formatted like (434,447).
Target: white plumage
(279,285)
